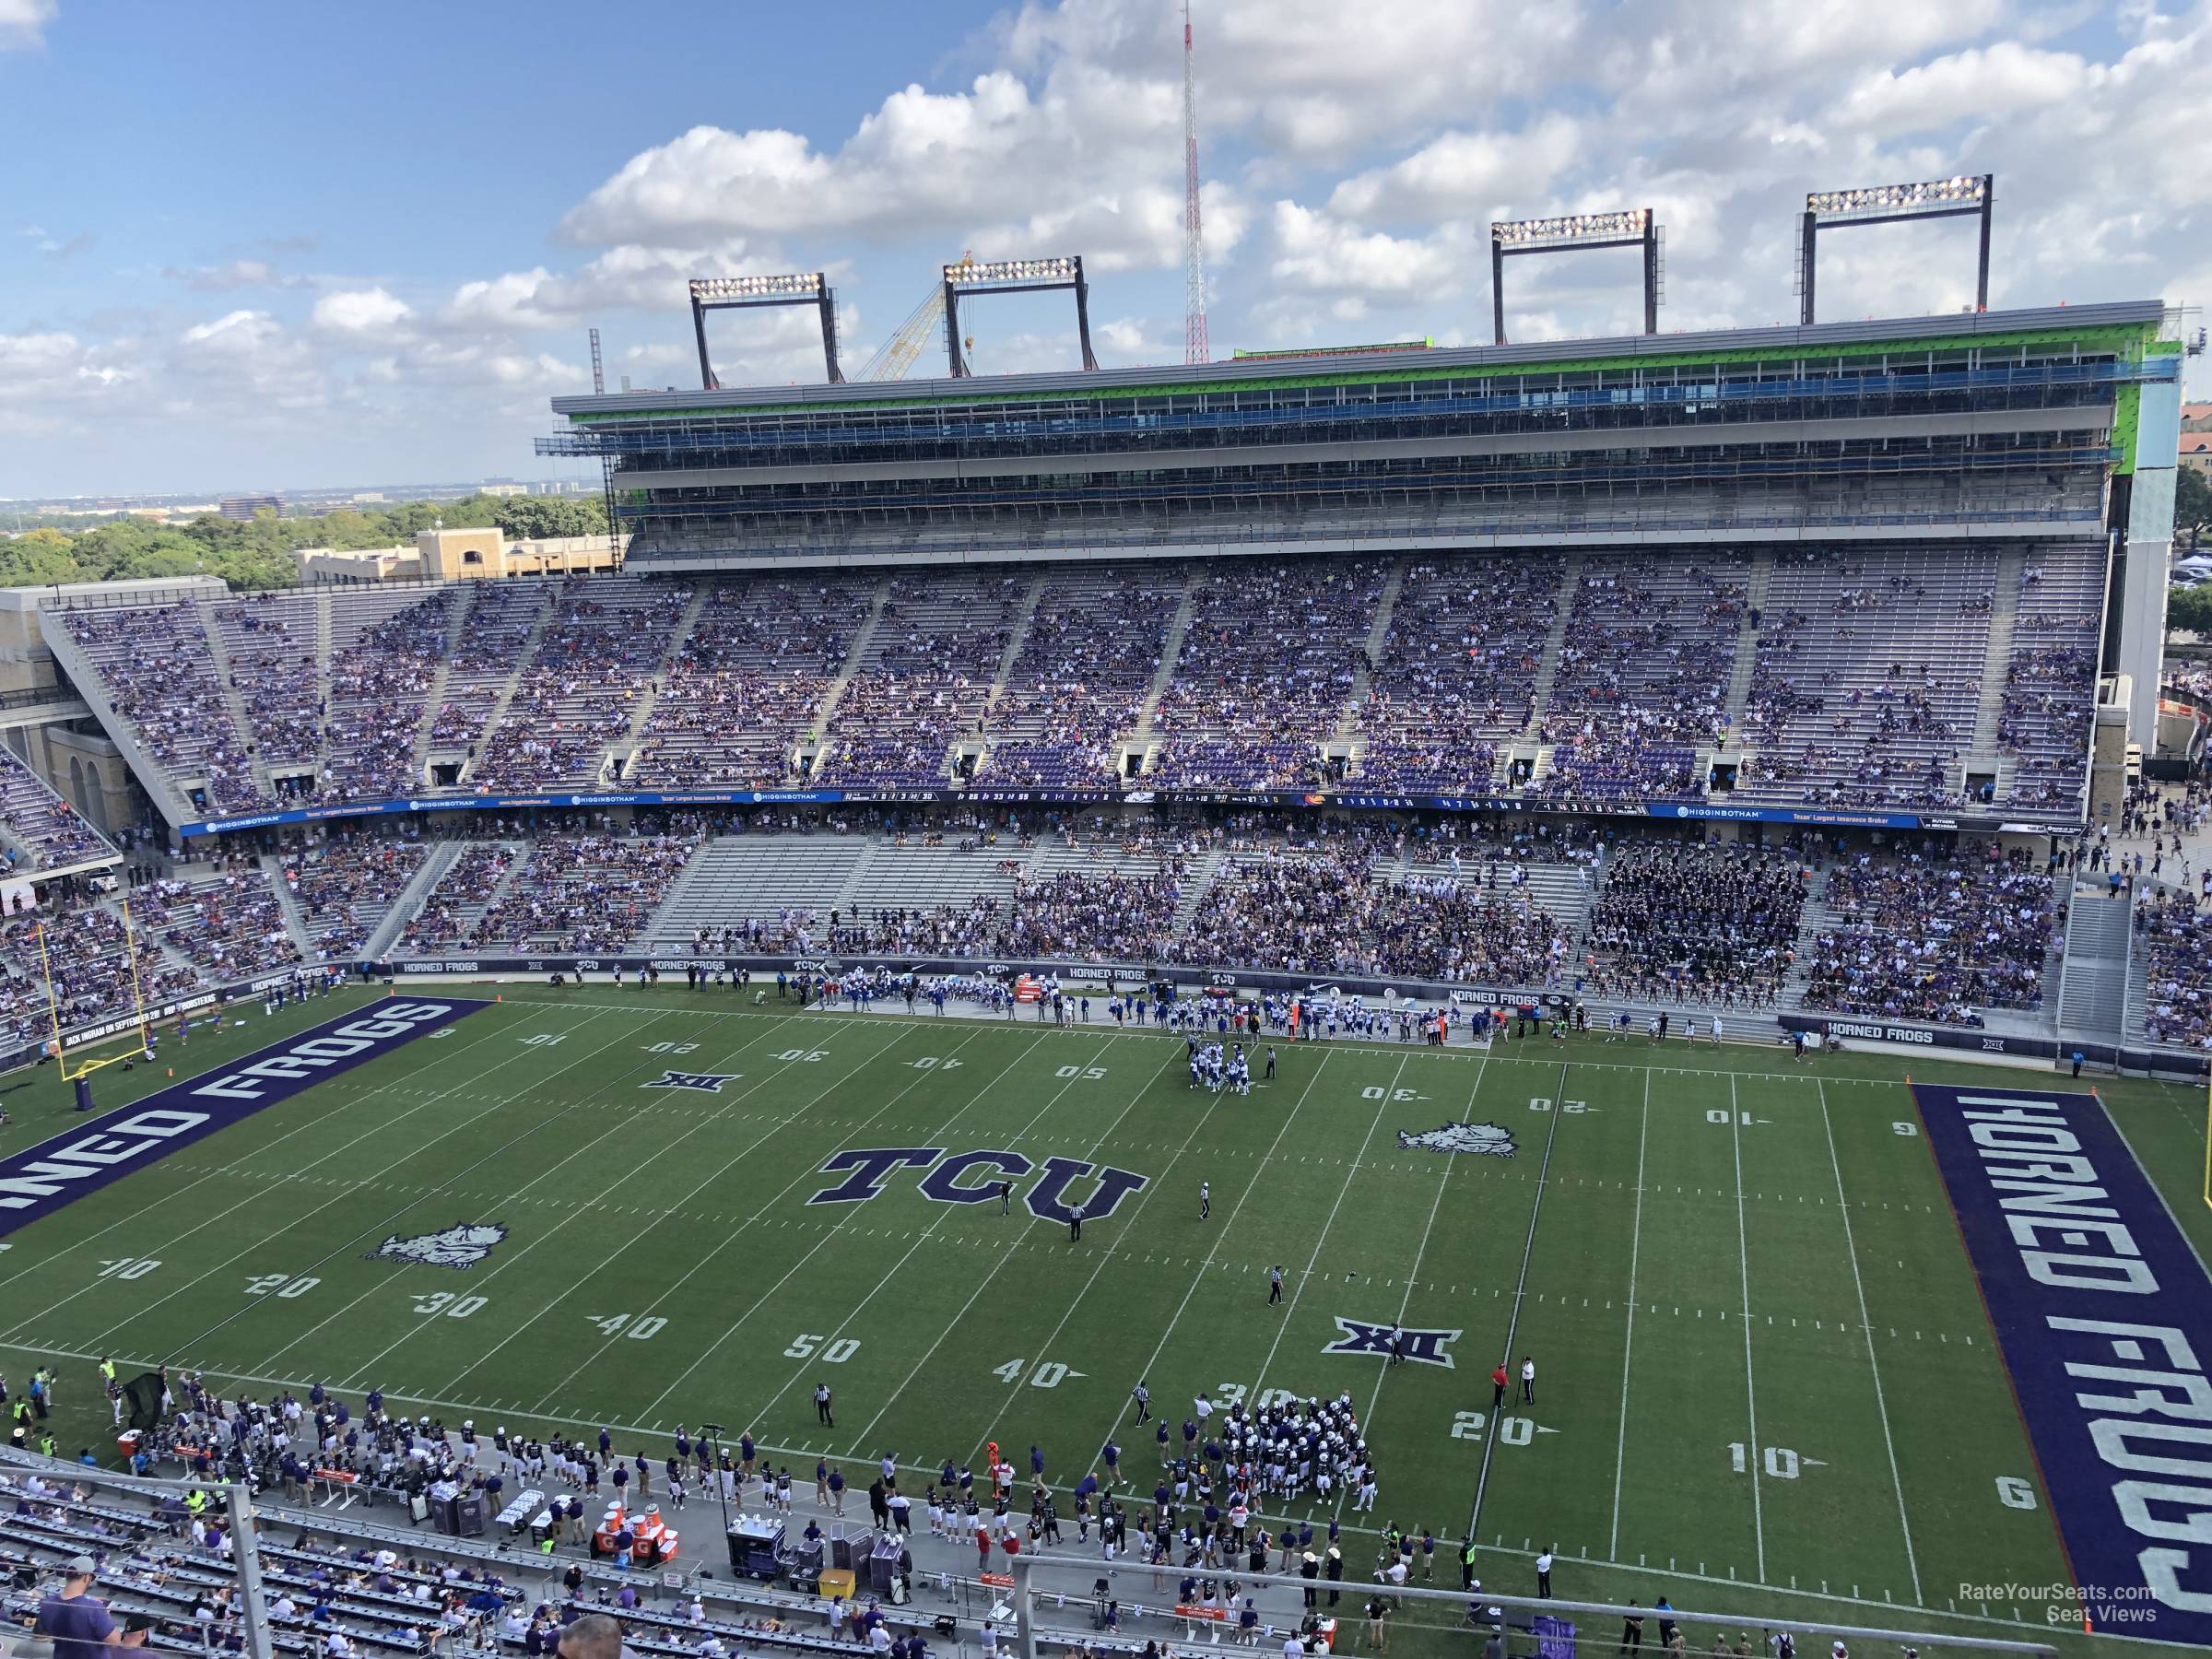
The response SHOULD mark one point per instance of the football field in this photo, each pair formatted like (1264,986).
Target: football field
(1766,1375)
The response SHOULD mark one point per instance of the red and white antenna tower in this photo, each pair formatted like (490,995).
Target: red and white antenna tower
(1194,349)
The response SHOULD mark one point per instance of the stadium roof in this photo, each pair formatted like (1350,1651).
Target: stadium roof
(2056,322)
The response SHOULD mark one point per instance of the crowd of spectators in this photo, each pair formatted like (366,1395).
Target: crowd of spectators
(1080,676)
(584,893)
(1932,933)
(1709,925)
(345,885)
(380,687)
(748,683)
(926,677)
(230,925)
(43,831)
(2175,930)
(580,693)
(159,676)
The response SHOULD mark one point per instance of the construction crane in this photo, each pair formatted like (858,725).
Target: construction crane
(911,337)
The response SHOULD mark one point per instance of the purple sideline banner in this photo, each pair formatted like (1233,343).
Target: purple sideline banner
(2104,1315)
(53,1174)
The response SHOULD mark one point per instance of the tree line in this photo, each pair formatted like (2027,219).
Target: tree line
(258,554)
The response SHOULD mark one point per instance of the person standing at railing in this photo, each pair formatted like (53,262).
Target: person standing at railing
(75,1619)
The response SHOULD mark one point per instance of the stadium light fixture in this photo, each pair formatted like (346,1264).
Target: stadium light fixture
(1013,277)
(729,293)
(1973,194)
(1622,228)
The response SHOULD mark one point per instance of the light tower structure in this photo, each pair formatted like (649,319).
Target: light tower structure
(1194,347)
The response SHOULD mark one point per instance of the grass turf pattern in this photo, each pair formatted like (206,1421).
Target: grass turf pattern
(1765,1377)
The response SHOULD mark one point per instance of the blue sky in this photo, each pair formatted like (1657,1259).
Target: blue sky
(265,245)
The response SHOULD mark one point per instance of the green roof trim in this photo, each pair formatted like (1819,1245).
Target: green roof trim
(2129,340)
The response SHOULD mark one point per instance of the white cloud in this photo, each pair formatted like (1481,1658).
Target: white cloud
(361,311)
(230,275)
(1460,175)
(1318,252)
(23,22)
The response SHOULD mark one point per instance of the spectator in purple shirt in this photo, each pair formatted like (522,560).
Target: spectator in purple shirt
(75,1618)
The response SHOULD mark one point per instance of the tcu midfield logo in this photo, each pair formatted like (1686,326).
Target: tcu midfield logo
(973,1178)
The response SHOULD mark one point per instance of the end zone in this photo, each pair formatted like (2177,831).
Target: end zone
(52,1175)
(2103,1313)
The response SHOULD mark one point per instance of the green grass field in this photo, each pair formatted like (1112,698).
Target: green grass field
(1766,1379)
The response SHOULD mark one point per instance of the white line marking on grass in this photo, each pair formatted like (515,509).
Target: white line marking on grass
(1065,1558)
(1620,1442)
(636,1236)
(1321,1238)
(1104,1257)
(1413,1279)
(1743,1256)
(617,1126)
(813,1171)
(135,1218)
(1512,1323)
(1228,1221)
(1099,1266)
(263,1241)
(1882,1404)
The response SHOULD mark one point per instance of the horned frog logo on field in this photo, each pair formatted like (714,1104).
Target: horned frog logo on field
(461,1245)
(1456,1136)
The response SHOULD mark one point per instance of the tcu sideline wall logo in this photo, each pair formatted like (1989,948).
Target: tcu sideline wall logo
(973,1178)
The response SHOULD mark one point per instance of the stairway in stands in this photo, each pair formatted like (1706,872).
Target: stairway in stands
(434,700)
(1170,648)
(1984,754)
(1547,666)
(409,900)
(625,748)
(1377,635)
(863,638)
(2093,973)
(1747,642)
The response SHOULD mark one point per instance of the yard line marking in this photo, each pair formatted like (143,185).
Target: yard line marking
(1229,1220)
(1512,1323)
(984,1283)
(802,1497)
(1743,1256)
(813,1171)
(1866,1328)
(263,1241)
(636,1236)
(1420,1250)
(397,1084)
(1104,1257)
(1620,1442)
(1306,1277)
(574,1211)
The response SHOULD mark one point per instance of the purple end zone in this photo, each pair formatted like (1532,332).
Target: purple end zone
(50,1176)
(2104,1315)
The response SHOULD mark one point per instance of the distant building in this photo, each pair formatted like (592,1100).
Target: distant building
(2196,451)
(2196,418)
(240,509)
(503,486)
(463,555)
